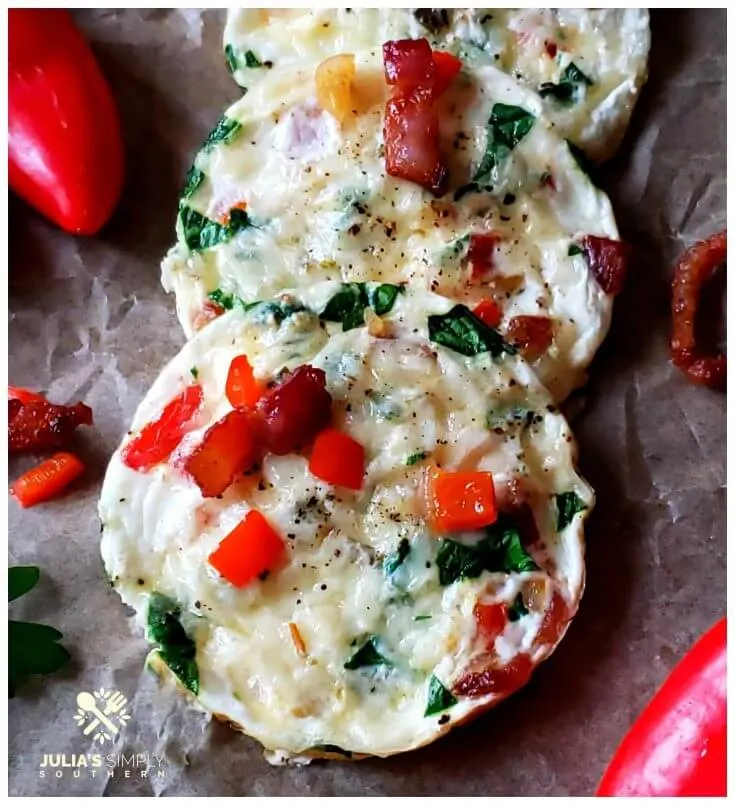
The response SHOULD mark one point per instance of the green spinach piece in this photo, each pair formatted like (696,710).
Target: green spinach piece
(500,551)
(383,297)
(567,90)
(422,617)
(461,331)
(507,126)
(175,647)
(224,132)
(568,504)
(347,306)
(194,178)
(517,609)
(231,58)
(367,656)
(225,300)
(33,648)
(201,233)
(251,60)
(279,309)
(438,698)
(414,458)
(394,560)
(574,250)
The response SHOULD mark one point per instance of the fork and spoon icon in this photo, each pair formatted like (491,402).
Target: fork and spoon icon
(114,704)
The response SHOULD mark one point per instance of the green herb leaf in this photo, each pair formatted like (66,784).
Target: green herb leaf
(224,132)
(501,551)
(21,580)
(175,647)
(231,58)
(251,60)
(367,656)
(518,609)
(422,617)
(507,126)
(225,300)
(414,458)
(568,89)
(383,297)
(568,504)
(347,306)
(461,331)
(202,233)
(33,648)
(194,372)
(332,749)
(439,698)
(193,179)
(394,560)
(574,250)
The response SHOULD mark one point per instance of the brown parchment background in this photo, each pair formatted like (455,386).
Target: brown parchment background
(89,320)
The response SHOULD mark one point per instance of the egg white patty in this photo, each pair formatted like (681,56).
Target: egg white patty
(318,205)
(408,401)
(535,46)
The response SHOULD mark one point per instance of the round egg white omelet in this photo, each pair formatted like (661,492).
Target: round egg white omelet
(283,195)
(588,65)
(375,631)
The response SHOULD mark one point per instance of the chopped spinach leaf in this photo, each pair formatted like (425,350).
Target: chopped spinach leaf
(251,60)
(347,306)
(193,179)
(279,310)
(567,90)
(422,617)
(434,20)
(517,609)
(194,372)
(507,126)
(225,300)
(568,504)
(202,233)
(501,551)
(175,647)
(574,250)
(461,331)
(439,698)
(394,560)
(231,58)
(224,132)
(332,749)
(367,656)
(414,458)
(22,579)
(383,297)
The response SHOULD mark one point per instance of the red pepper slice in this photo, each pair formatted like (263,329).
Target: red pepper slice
(491,620)
(242,389)
(447,67)
(252,548)
(489,311)
(457,501)
(228,448)
(677,746)
(608,262)
(533,334)
(338,459)
(481,254)
(65,150)
(158,439)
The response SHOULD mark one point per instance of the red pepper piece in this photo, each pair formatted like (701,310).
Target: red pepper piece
(533,334)
(481,254)
(228,448)
(65,150)
(489,311)
(242,389)
(491,620)
(295,410)
(501,679)
(677,746)
(608,262)
(338,459)
(158,439)
(252,548)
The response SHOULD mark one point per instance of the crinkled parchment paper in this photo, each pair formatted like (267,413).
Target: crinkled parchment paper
(89,320)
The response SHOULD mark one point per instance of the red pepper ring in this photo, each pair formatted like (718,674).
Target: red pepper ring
(696,266)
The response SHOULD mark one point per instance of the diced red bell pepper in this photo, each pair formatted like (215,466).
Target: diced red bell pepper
(491,620)
(252,548)
(481,253)
(228,448)
(608,262)
(457,501)
(489,311)
(533,334)
(158,439)
(242,389)
(338,459)
(47,480)
(447,68)
(295,410)
(408,63)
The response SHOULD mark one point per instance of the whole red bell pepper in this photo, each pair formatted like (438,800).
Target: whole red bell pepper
(65,150)
(677,747)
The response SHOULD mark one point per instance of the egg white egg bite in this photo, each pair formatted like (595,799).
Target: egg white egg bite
(283,195)
(587,64)
(377,630)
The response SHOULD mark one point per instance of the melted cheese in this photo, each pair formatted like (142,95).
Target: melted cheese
(397,397)
(323,208)
(534,46)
